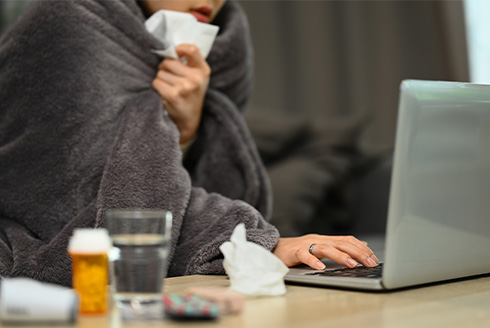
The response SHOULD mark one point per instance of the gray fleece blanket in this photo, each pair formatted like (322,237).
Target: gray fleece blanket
(82,131)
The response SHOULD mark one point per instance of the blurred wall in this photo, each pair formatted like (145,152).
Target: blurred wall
(10,10)
(325,59)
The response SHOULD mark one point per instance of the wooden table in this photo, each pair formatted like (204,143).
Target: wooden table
(457,304)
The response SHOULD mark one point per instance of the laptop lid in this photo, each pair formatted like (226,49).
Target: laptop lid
(439,209)
(439,212)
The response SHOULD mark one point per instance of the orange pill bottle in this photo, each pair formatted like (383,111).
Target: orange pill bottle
(88,249)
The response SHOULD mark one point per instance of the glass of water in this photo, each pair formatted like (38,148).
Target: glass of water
(138,260)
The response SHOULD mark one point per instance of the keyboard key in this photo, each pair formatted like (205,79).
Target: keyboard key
(360,271)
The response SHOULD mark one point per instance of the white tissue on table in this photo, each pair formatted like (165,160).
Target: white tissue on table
(174,28)
(252,269)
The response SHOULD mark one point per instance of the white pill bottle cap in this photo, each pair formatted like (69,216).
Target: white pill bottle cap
(89,241)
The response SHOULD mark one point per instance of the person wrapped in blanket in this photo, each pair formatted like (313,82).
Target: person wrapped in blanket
(91,119)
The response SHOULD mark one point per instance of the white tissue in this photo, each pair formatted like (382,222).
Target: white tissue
(174,28)
(252,269)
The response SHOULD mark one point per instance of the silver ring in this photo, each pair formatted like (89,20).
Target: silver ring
(311,248)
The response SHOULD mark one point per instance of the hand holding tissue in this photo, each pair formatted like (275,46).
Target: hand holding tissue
(174,28)
(252,269)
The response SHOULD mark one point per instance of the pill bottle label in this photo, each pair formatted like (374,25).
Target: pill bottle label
(90,280)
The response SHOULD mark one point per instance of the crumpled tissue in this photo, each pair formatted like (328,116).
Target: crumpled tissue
(174,28)
(252,269)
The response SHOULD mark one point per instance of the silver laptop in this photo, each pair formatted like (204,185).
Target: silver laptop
(438,224)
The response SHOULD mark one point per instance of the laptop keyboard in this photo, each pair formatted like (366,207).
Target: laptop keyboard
(359,271)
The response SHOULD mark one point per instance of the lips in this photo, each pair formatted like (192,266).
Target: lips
(202,14)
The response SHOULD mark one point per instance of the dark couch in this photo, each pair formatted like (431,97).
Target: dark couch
(321,179)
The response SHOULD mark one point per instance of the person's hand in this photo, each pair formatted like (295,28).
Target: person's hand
(183,87)
(345,250)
